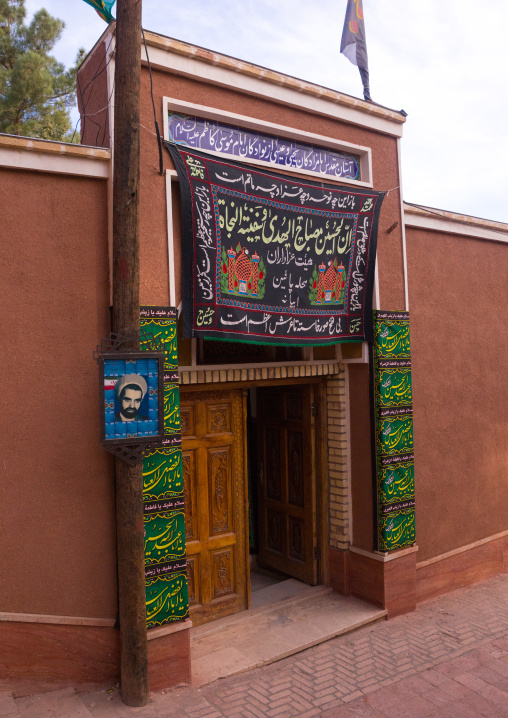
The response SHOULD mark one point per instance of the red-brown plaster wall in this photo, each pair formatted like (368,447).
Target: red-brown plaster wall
(57,498)
(459,344)
(153,227)
(92,93)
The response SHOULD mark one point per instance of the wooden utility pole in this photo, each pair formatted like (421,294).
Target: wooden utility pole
(129,479)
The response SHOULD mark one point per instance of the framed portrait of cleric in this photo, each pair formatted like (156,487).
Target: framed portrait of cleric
(132,398)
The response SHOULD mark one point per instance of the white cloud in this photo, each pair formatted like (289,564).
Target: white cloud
(444,63)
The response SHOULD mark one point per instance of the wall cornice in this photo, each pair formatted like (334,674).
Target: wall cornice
(28,153)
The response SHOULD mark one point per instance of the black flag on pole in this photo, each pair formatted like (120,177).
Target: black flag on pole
(353,44)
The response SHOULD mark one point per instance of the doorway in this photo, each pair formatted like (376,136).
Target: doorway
(282,472)
(261,440)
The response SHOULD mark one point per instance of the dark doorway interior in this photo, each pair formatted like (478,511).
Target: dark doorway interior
(282,485)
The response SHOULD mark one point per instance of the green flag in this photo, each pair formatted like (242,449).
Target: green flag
(103,8)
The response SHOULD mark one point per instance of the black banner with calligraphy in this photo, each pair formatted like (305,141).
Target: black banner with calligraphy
(269,258)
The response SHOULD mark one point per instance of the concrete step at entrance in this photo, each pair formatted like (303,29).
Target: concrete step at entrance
(285,593)
(287,590)
(257,637)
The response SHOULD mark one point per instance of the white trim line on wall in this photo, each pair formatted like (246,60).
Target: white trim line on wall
(461,549)
(271,128)
(376,302)
(24,158)
(364,359)
(322,101)
(169,629)
(384,557)
(170,177)
(57,620)
(437,223)
(404,247)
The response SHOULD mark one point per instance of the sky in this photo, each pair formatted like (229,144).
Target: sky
(444,63)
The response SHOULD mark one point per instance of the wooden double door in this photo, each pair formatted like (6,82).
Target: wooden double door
(214,441)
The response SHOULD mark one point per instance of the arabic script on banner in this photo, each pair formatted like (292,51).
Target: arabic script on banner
(268,259)
(394,431)
(163,489)
(244,144)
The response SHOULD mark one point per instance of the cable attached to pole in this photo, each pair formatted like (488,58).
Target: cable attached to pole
(157,132)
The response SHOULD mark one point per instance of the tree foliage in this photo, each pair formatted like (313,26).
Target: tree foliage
(36,91)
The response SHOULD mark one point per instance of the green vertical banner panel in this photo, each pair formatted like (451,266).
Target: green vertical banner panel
(165,558)
(396,483)
(393,416)
(171,408)
(162,475)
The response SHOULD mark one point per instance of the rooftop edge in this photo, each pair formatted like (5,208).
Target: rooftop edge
(227,62)
(185,49)
(57,147)
(424,211)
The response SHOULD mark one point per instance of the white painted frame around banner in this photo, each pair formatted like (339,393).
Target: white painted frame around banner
(171,104)
(171,176)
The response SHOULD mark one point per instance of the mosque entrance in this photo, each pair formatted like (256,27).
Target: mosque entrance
(258,441)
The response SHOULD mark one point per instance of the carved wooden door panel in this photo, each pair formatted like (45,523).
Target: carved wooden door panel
(213,433)
(286,481)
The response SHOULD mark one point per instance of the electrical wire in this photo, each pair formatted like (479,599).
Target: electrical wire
(92,114)
(99,70)
(84,103)
(159,142)
(108,105)
(84,116)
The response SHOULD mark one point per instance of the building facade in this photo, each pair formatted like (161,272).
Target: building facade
(279,442)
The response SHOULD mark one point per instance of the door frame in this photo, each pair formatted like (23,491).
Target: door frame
(321,469)
(322,483)
(321,451)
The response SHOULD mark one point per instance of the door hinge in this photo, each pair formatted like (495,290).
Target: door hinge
(317,553)
(314,408)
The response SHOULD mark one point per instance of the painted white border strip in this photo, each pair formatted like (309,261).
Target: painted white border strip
(384,557)
(235,79)
(404,249)
(461,549)
(57,620)
(168,629)
(271,128)
(25,158)
(170,176)
(364,359)
(452,226)
(376,300)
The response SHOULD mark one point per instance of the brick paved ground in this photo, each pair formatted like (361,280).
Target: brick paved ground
(448,658)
